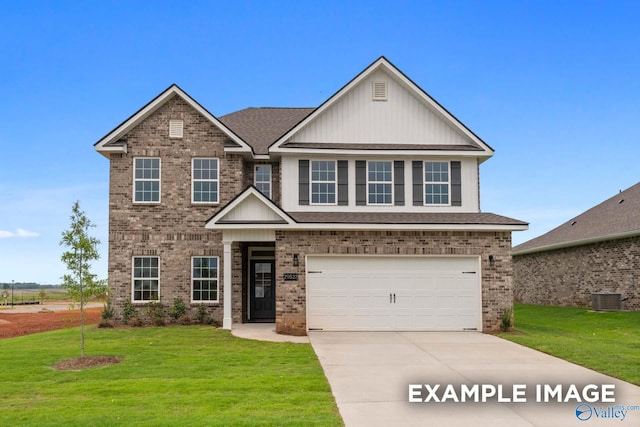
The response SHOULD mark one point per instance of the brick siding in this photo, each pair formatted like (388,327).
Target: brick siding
(174,229)
(497,291)
(568,277)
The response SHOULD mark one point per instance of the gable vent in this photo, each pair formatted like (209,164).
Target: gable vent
(175,128)
(379,91)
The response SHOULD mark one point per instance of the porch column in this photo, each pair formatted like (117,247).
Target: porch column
(226,286)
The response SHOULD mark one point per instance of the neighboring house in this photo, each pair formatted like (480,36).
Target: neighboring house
(597,251)
(360,214)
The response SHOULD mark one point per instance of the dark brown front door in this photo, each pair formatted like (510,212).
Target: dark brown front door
(263,290)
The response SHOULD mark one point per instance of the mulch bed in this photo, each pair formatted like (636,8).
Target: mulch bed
(86,362)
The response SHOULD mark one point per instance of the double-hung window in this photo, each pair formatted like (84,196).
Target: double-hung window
(323,182)
(262,179)
(436,183)
(380,183)
(146,180)
(205,181)
(204,279)
(146,279)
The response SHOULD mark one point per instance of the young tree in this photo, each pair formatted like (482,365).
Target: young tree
(82,249)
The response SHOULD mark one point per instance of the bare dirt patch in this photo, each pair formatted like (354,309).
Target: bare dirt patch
(17,324)
(86,362)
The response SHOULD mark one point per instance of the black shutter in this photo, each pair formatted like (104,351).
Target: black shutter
(418,183)
(456,184)
(303,182)
(343,179)
(361,182)
(398,182)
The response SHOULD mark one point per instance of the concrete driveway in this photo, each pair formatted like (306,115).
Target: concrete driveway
(370,374)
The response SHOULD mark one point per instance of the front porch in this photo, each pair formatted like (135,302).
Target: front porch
(249,278)
(264,332)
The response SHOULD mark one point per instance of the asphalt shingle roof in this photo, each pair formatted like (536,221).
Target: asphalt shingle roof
(260,127)
(403,218)
(615,217)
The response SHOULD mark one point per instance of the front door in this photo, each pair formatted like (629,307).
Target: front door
(263,290)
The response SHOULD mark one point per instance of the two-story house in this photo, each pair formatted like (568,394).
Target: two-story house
(360,214)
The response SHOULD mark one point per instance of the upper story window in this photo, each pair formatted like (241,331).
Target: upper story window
(205,181)
(146,279)
(146,180)
(380,183)
(323,182)
(436,183)
(262,179)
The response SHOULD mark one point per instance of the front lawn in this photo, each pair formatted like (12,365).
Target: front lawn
(179,375)
(608,342)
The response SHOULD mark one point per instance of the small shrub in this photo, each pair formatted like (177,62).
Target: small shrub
(108,312)
(184,320)
(128,312)
(201,314)
(178,310)
(107,323)
(203,317)
(135,322)
(505,324)
(155,313)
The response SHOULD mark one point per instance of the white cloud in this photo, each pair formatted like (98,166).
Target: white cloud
(26,233)
(20,232)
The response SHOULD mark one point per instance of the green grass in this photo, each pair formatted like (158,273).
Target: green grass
(22,295)
(608,342)
(179,375)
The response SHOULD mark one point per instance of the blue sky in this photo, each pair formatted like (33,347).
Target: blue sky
(553,87)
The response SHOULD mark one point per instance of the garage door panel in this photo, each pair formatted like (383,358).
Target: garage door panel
(356,293)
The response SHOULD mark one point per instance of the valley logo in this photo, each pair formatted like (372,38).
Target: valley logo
(585,412)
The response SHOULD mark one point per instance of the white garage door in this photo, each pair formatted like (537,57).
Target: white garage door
(372,293)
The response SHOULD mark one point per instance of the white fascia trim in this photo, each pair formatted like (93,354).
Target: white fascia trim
(251,191)
(106,151)
(381,62)
(390,153)
(341,226)
(152,106)
(579,242)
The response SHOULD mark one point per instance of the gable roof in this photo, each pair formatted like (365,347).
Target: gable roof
(616,217)
(386,65)
(113,142)
(253,210)
(259,127)
(249,207)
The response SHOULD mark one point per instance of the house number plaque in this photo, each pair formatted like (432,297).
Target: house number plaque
(290,276)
